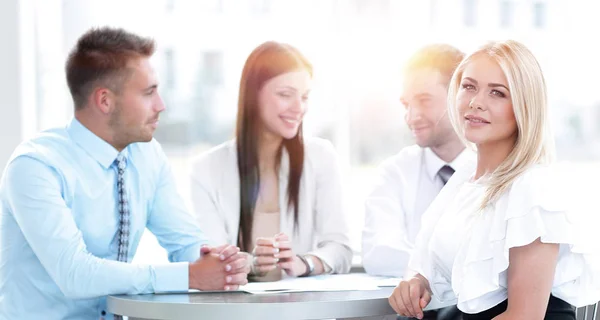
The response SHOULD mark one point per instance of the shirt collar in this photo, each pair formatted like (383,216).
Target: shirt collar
(433,163)
(97,148)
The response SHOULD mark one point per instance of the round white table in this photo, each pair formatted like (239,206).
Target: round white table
(241,305)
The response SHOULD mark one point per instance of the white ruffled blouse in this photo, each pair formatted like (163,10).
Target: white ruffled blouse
(464,253)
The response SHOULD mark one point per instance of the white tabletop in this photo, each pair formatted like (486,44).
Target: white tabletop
(242,305)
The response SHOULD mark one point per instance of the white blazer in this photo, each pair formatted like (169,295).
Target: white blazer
(322,226)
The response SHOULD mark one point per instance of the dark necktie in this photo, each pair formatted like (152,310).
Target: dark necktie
(445,173)
(123,209)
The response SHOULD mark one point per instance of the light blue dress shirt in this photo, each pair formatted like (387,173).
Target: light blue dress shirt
(59,222)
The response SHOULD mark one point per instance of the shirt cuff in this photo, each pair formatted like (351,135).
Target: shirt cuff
(326,268)
(172,277)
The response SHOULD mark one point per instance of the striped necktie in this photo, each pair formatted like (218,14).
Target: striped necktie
(124,214)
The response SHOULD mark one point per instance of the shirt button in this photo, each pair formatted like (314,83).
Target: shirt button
(103,312)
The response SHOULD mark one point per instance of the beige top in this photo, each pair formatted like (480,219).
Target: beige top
(322,228)
(266,225)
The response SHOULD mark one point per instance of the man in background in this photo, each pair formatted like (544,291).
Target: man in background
(408,182)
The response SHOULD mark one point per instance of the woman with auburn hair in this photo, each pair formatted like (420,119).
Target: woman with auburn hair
(275,194)
(501,239)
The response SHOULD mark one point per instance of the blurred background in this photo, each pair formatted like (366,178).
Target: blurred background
(358,48)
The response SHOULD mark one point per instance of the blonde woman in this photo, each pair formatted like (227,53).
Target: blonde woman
(499,239)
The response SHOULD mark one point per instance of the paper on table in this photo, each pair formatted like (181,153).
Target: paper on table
(343,282)
(380,281)
(388,282)
(346,282)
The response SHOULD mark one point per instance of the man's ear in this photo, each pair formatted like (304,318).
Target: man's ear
(103,99)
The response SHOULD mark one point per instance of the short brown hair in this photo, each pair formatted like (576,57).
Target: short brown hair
(441,57)
(100,57)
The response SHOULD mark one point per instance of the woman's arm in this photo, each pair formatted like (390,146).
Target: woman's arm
(331,228)
(530,276)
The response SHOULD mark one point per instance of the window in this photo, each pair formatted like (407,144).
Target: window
(168,82)
(470,12)
(169,69)
(169,5)
(373,8)
(354,101)
(206,7)
(220,6)
(539,15)
(433,5)
(260,7)
(212,66)
(506,13)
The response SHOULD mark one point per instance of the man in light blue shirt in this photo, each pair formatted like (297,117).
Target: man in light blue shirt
(76,200)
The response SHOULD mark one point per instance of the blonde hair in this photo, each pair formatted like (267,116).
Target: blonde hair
(535,142)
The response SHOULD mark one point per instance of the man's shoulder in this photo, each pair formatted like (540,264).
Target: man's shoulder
(48,146)
(47,153)
(407,156)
